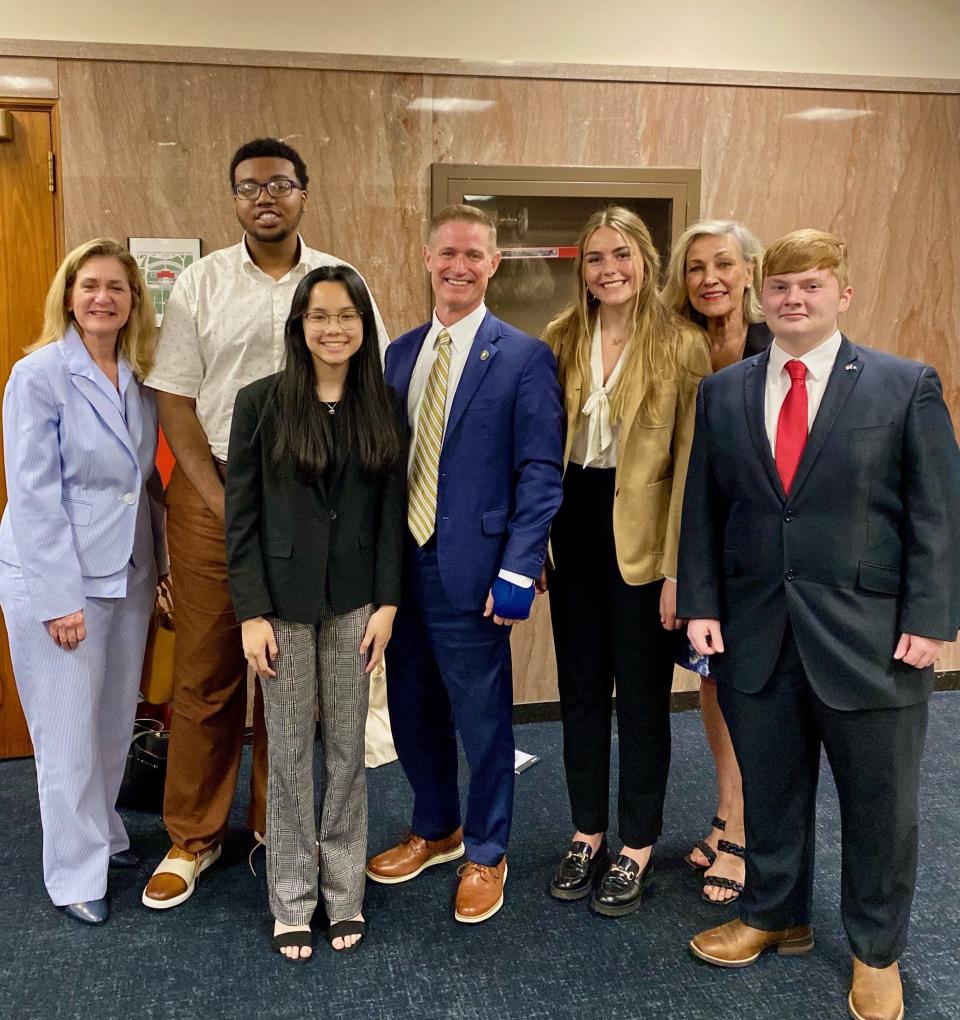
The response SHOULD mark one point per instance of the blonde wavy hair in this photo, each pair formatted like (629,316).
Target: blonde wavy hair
(138,336)
(655,332)
(676,296)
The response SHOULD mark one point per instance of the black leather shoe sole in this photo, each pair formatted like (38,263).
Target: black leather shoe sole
(625,906)
(597,869)
(576,893)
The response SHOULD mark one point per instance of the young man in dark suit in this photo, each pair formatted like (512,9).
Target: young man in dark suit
(483,404)
(818,569)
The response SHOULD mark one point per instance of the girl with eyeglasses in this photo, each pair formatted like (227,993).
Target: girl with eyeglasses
(314,523)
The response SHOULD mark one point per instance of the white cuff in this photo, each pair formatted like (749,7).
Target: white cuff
(518,579)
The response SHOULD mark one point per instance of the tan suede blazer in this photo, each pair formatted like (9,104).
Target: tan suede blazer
(652,456)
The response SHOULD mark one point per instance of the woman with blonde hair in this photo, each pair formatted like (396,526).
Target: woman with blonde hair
(629,371)
(81,548)
(714,280)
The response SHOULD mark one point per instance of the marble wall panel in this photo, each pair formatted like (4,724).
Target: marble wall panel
(874,167)
(28,78)
(146,149)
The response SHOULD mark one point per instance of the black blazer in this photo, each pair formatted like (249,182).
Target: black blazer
(867,545)
(759,339)
(290,543)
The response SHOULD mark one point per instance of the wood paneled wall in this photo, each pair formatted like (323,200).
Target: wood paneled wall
(146,149)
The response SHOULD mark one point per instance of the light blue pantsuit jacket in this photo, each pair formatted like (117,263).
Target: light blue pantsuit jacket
(83,529)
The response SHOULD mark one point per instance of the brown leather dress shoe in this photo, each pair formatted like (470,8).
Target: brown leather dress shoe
(876,993)
(736,944)
(407,859)
(480,893)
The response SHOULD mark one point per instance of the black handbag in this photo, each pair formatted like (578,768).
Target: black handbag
(146,771)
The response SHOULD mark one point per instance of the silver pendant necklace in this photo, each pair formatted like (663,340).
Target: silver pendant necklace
(331,406)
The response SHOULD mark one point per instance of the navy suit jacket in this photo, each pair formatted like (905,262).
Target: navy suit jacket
(864,548)
(501,461)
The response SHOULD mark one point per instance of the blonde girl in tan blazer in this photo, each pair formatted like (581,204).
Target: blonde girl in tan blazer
(629,371)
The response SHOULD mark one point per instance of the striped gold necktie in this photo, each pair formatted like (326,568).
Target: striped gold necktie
(422,490)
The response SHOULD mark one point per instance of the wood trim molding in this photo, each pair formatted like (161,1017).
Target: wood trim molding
(143,53)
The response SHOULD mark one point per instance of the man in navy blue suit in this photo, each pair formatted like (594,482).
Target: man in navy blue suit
(484,411)
(818,569)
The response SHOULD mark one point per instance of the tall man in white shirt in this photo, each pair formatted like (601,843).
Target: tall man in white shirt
(222,328)
(483,403)
(819,569)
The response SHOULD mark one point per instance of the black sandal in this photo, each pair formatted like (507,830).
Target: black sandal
(341,929)
(704,847)
(718,881)
(301,939)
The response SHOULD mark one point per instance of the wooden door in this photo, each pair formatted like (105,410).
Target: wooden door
(29,219)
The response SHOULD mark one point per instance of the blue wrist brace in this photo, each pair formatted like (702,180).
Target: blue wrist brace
(510,600)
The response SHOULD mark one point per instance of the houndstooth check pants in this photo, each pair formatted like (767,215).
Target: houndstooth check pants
(312,661)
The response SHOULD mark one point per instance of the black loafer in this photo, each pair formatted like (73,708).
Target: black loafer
(128,858)
(621,888)
(91,912)
(578,871)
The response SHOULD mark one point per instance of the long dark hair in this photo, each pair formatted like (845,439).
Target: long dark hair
(367,419)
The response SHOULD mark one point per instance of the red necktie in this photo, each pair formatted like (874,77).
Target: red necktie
(792,425)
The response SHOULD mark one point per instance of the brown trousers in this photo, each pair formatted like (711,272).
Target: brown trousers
(210,683)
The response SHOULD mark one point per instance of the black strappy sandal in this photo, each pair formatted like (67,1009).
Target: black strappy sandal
(718,882)
(704,847)
(341,929)
(301,939)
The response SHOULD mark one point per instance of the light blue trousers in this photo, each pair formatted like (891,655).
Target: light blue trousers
(80,707)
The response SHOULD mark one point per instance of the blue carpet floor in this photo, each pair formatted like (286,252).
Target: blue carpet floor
(537,959)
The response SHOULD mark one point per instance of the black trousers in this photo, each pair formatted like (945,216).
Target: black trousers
(605,630)
(875,758)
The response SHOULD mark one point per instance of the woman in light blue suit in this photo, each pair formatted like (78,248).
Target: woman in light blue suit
(81,547)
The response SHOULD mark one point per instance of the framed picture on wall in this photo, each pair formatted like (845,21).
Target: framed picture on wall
(162,260)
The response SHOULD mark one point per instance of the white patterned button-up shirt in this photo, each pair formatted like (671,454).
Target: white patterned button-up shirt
(223,328)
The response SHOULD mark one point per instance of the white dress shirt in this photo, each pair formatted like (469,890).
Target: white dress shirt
(819,365)
(595,441)
(223,328)
(462,335)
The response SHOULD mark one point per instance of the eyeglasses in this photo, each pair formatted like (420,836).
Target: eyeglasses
(350,319)
(277,187)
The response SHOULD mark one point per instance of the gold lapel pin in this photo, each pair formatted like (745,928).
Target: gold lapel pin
(484,355)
